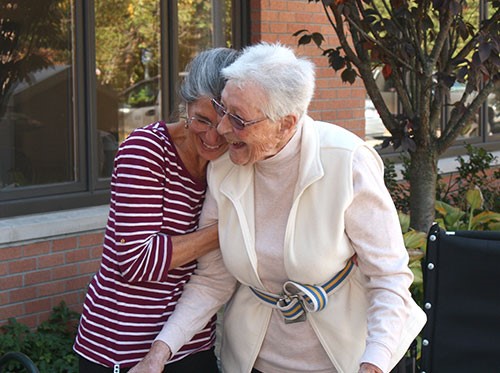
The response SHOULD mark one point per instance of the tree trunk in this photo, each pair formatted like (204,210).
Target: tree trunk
(423,176)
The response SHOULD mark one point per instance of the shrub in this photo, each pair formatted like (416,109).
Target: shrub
(50,347)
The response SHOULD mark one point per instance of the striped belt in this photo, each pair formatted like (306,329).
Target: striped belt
(297,299)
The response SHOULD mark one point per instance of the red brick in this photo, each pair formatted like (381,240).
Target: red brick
(72,300)
(22,294)
(96,252)
(38,305)
(77,255)
(36,249)
(37,277)
(89,267)
(31,321)
(22,265)
(65,271)
(9,253)
(91,239)
(4,298)
(65,244)
(55,287)
(51,260)
(3,269)
(13,310)
(11,282)
(77,283)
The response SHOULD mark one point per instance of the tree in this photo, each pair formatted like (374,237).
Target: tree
(424,47)
(28,42)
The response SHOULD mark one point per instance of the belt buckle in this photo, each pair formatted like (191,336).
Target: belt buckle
(289,298)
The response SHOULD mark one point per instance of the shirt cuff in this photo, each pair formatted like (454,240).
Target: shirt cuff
(377,354)
(173,336)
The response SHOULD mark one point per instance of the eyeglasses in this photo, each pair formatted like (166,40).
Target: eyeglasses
(235,120)
(200,123)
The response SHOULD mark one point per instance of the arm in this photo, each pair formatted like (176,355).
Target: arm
(208,289)
(191,246)
(146,249)
(373,226)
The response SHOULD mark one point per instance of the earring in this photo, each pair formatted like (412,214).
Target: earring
(186,123)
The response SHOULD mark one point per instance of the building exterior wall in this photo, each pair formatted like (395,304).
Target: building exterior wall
(37,276)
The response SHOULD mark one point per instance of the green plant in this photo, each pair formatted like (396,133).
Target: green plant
(415,243)
(472,172)
(50,346)
(473,218)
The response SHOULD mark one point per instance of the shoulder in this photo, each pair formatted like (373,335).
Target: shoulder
(154,136)
(332,135)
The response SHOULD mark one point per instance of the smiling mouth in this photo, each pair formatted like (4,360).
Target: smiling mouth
(211,147)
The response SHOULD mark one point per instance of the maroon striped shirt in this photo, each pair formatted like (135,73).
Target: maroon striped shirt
(153,197)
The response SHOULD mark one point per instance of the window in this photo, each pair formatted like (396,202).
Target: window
(77,77)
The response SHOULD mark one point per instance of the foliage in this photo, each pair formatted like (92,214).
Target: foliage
(50,346)
(424,47)
(473,218)
(472,172)
(415,242)
(28,42)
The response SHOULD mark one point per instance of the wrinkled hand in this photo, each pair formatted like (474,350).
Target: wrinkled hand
(155,360)
(369,368)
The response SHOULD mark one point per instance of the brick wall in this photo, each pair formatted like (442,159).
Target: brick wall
(35,277)
(334,101)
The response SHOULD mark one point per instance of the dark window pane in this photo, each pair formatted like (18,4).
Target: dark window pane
(37,138)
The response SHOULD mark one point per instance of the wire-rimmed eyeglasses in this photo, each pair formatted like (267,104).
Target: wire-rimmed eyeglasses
(235,120)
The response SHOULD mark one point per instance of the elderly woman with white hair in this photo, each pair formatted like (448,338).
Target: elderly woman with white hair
(311,252)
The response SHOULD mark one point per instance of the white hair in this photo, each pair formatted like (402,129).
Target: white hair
(287,81)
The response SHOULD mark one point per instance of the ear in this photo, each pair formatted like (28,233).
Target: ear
(288,123)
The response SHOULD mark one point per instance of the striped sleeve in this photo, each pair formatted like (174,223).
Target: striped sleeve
(143,251)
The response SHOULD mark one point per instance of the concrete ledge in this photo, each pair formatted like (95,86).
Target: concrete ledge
(40,226)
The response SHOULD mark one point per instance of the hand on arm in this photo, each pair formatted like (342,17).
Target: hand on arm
(188,247)
(155,360)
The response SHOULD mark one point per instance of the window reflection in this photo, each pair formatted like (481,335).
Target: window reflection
(493,113)
(127,39)
(128,62)
(375,131)
(37,142)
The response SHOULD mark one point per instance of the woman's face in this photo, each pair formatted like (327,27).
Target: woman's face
(257,141)
(207,141)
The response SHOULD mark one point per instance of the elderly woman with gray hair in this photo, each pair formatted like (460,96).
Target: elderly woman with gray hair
(311,255)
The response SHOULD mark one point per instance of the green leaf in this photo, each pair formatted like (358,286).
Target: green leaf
(404,221)
(474,198)
(485,217)
(414,239)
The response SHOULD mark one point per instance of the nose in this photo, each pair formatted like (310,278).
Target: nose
(224,126)
(212,135)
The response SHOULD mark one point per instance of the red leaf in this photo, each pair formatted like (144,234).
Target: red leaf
(387,71)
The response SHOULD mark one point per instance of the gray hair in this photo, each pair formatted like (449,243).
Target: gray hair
(287,81)
(204,77)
